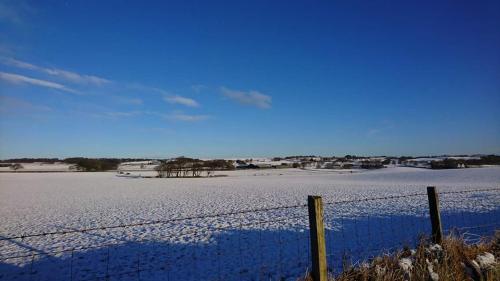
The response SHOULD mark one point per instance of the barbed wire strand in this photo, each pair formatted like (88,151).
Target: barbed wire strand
(231,213)
(359,251)
(195,231)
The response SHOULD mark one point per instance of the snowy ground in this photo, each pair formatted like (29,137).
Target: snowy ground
(250,246)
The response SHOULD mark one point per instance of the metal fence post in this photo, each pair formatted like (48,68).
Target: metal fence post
(437,231)
(318,249)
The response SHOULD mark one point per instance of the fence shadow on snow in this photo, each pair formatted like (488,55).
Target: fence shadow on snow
(266,244)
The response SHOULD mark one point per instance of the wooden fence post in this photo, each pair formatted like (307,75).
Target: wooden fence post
(318,248)
(437,231)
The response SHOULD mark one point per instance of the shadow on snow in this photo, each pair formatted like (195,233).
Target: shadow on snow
(240,254)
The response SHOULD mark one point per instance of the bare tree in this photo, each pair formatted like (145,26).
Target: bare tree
(161,169)
(196,168)
(16,166)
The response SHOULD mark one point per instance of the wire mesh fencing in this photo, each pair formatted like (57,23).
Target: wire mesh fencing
(459,219)
(356,231)
(265,244)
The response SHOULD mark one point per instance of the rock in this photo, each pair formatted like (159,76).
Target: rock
(406,264)
(486,261)
(430,268)
(436,248)
(434,276)
(380,270)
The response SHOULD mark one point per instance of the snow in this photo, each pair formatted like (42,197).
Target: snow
(231,247)
(486,260)
(406,265)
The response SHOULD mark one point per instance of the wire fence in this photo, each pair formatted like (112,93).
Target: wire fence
(471,225)
(263,244)
(372,228)
(359,230)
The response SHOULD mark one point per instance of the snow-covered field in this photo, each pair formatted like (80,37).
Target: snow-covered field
(243,246)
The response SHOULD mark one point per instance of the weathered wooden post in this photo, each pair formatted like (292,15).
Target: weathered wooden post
(437,231)
(318,248)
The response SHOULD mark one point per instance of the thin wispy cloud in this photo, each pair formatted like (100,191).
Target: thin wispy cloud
(147,89)
(167,96)
(95,82)
(251,98)
(187,117)
(384,127)
(119,114)
(7,14)
(175,116)
(157,130)
(69,76)
(12,105)
(198,88)
(14,12)
(20,79)
(132,101)
(5,48)
(181,100)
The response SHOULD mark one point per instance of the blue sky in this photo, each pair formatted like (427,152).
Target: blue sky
(248,78)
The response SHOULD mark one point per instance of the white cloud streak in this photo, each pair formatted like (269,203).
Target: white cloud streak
(69,76)
(90,80)
(181,100)
(174,116)
(20,79)
(252,98)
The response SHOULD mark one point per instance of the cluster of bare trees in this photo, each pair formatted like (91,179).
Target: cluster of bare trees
(188,167)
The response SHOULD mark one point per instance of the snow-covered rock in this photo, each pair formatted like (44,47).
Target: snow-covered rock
(380,270)
(406,264)
(486,261)
(430,269)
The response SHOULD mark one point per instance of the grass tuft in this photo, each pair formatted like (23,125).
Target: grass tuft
(453,260)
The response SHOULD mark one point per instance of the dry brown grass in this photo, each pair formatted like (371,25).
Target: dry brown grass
(454,262)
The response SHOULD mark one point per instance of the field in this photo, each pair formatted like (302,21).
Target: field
(260,245)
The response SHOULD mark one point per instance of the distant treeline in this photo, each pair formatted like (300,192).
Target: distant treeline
(81,163)
(178,167)
(31,160)
(485,160)
(451,163)
(294,157)
(184,166)
(99,164)
(92,164)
